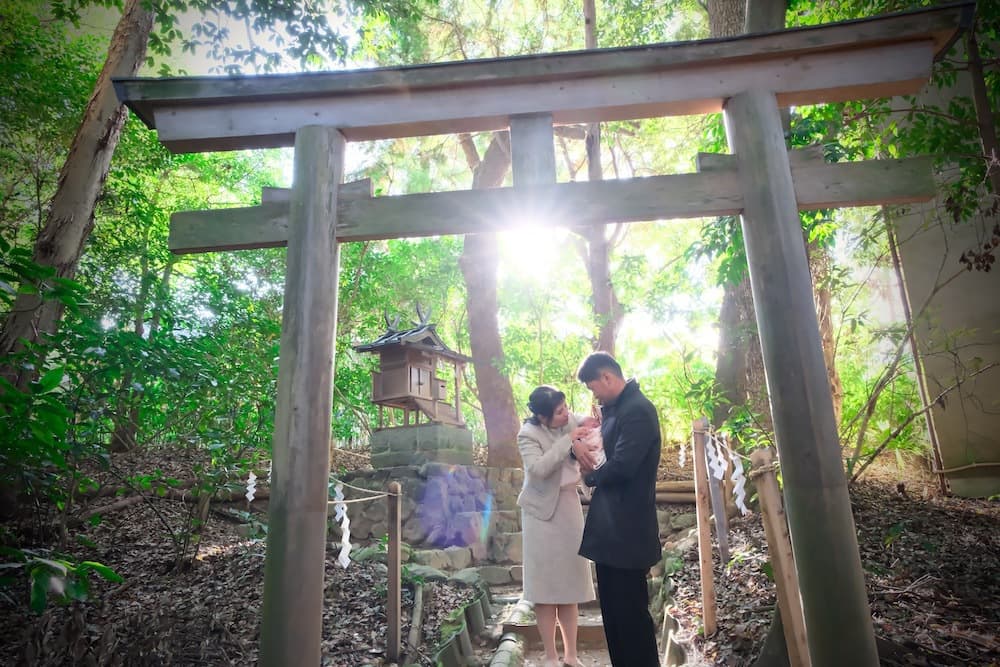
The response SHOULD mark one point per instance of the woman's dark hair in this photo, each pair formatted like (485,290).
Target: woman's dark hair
(543,402)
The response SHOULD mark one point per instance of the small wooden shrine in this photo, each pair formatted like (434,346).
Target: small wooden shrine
(418,375)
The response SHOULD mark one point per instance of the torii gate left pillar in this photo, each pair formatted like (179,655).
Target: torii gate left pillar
(296,538)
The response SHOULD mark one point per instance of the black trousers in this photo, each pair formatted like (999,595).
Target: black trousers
(628,627)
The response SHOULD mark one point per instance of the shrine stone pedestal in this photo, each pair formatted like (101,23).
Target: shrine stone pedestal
(424,443)
(443,505)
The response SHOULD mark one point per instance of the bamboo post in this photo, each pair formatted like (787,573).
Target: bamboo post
(704,532)
(779,548)
(291,628)
(393,614)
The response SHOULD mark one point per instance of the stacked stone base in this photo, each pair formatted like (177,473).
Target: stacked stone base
(443,505)
(416,445)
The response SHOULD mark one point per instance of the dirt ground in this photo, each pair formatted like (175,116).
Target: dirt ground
(930,562)
(931,565)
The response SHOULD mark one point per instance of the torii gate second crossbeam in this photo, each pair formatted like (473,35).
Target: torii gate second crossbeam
(748,77)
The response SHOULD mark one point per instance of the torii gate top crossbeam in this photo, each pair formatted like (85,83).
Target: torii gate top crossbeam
(878,57)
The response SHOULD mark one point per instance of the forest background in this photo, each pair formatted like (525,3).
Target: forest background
(111,343)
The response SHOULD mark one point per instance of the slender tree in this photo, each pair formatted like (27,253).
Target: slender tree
(739,370)
(70,218)
(608,312)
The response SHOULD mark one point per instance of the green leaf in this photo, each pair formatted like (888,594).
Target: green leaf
(59,567)
(77,588)
(15,554)
(86,541)
(39,589)
(102,570)
(50,380)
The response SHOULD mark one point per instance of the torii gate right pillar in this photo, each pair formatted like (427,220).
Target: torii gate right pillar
(835,605)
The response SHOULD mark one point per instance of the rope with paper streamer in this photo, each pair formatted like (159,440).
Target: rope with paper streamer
(339,502)
(719,455)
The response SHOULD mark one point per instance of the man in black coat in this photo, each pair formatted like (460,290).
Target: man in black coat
(621,534)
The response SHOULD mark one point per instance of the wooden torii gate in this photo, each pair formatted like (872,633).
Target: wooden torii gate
(748,77)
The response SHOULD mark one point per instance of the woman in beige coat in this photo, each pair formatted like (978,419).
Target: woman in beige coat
(556,578)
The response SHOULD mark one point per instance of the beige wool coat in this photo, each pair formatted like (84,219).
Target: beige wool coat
(552,518)
(544,452)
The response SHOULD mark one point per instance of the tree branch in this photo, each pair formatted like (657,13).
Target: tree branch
(906,422)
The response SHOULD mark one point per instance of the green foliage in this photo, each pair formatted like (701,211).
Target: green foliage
(894,532)
(895,403)
(380,550)
(746,429)
(261,35)
(47,78)
(452,624)
(50,576)
(37,421)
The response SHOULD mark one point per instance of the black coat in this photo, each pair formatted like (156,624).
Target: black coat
(621,529)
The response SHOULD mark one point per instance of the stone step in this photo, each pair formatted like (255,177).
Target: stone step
(590,629)
(501,575)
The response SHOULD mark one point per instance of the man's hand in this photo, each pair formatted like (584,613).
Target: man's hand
(581,450)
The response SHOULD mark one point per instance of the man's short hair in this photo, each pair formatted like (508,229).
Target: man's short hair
(591,367)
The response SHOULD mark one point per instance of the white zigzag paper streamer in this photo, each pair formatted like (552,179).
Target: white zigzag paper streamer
(739,484)
(340,514)
(251,487)
(715,460)
(682,456)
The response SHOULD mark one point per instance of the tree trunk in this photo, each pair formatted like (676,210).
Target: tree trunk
(731,364)
(737,330)
(607,311)
(726,17)
(71,216)
(756,382)
(984,114)
(124,437)
(479,268)
(819,266)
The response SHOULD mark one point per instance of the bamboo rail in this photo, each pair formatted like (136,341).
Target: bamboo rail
(779,548)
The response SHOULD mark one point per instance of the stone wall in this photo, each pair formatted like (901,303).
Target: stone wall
(416,445)
(957,332)
(443,506)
